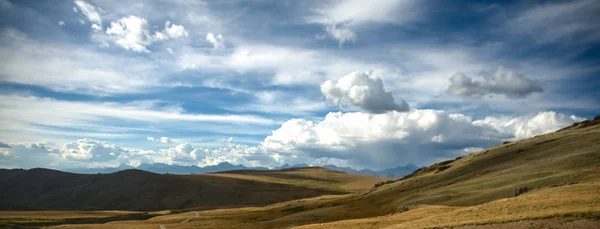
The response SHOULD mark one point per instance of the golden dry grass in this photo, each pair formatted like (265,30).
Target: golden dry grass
(313,177)
(578,200)
(383,221)
(572,200)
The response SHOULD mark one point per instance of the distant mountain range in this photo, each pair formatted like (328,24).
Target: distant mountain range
(397,172)
(166,168)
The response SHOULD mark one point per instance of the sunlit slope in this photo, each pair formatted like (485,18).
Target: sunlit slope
(577,200)
(313,177)
(42,189)
(567,157)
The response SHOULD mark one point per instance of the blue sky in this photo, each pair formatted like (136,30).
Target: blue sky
(262,83)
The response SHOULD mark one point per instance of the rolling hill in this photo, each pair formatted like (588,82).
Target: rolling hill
(43,189)
(544,179)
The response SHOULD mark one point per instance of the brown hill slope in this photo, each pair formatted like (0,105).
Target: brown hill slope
(570,156)
(43,189)
(313,177)
(552,175)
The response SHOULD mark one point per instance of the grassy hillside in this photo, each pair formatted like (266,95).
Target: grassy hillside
(541,178)
(313,177)
(43,189)
(578,200)
(553,175)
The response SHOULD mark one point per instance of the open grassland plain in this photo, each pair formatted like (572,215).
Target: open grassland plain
(536,181)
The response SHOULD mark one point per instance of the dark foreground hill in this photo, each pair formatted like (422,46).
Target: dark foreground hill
(44,189)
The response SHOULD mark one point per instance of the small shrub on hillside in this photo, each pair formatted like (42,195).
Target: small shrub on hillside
(402,209)
(520,151)
(442,168)
(522,190)
(383,183)
(445,162)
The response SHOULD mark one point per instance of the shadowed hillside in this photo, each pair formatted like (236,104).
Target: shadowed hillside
(43,189)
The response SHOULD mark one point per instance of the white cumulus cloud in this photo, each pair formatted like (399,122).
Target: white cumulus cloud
(501,82)
(382,140)
(184,153)
(171,31)
(216,41)
(88,149)
(531,125)
(28,155)
(363,90)
(354,139)
(96,27)
(133,33)
(394,138)
(163,140)
(175,31)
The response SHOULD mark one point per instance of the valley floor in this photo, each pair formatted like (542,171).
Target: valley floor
(569,206)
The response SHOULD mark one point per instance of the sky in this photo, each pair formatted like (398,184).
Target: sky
(86,84)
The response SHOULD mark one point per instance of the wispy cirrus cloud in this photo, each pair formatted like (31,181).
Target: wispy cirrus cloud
(20,115)
(552,22)
(64,67)
(90,11)
(340,19)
